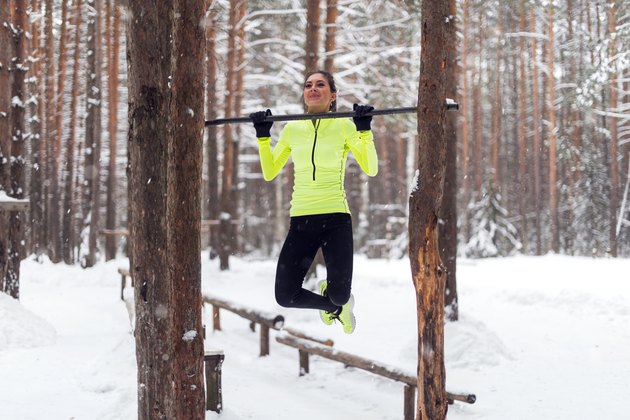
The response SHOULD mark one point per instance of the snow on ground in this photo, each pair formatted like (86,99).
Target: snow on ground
(538,338)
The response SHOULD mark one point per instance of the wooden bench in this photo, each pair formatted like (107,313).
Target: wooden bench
(306,348)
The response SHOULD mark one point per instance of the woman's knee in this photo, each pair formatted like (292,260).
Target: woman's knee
(283,299)
(339,296)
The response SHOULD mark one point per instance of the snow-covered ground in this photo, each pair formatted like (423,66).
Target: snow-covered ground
(538,338)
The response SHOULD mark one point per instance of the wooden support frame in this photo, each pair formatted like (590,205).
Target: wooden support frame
(266,320)
(213,361)
(306,348)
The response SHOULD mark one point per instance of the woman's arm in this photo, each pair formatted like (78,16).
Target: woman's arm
(361,144)
(273,161)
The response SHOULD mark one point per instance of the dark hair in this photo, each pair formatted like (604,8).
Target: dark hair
(331,82)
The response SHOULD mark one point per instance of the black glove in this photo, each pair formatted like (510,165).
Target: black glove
(361,120)
(262,126)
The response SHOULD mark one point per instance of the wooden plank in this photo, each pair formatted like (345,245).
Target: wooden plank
(114,232)
(14,205)
(348,359)
(325,341)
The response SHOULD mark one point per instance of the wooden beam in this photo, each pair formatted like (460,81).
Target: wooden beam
(14,205)
(307,347)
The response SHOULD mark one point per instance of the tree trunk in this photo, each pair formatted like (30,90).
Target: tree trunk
(447,232)
(331,29)
(112,128)
(238,105)
(614,147)
(427,270)
(537,147)
(5,130)
(227,180)
(49,120)
(166,124)
(523,167)
(93,132)
(16,234)
(36,113)
(551,97)
(68,231)
(212,153)
(477,116)
(311,48)
(183,210)
(55,202)
(465,118)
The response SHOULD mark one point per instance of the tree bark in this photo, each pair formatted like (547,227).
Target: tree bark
(428,273)
(165,142)
(36,111)
(227,181)
(183,209)
(551,97)
(614,146)
(331,29)
(212,150)
(49,120)
(16,228)
(311,48)
(523,167)
(537,147)
(55,201)
(68,231)
(5,130)
(112,128)
(93,132)
(447,232)
(465,118)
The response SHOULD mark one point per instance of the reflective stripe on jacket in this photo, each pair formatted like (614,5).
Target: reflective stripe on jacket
(319,152)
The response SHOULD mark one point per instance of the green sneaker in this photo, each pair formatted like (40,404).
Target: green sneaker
(327,317)
(346,317)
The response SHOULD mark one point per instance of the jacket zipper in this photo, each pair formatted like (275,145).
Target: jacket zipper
(313,152)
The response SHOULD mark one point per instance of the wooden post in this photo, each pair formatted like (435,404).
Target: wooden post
(304,368)
(216,318)
(123,283)
(264,340)
(409,403)
(213,362)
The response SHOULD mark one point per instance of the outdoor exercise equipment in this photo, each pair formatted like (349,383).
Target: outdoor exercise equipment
(451,105)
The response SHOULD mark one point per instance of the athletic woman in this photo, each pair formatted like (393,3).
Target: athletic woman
(320,216)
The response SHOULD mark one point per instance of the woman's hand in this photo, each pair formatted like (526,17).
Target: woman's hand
(262,126)
(362,121)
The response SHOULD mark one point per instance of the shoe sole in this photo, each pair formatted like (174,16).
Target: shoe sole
(352,317)
(322,314)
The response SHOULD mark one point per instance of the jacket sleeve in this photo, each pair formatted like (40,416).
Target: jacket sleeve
(273,161)
(361,144)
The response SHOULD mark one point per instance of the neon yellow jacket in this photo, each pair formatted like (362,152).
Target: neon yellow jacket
(319,154)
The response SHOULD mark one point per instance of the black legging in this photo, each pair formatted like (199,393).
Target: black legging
(333,234)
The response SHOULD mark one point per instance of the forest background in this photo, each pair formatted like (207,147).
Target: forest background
(543,127)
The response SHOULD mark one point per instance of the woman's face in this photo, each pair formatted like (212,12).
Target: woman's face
(317,94)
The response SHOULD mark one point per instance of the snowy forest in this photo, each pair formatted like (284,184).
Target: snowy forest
(543,129)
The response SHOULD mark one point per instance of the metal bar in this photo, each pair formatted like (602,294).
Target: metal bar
(450,105)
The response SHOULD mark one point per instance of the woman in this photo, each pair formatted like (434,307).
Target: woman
(320,216)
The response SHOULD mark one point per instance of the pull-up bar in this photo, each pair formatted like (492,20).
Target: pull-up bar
(450,106)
